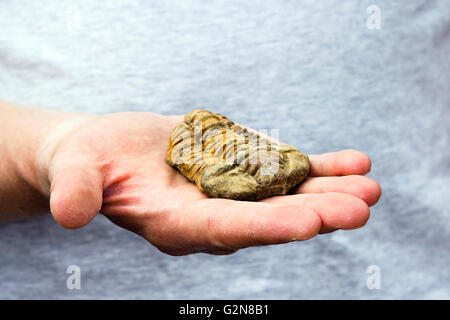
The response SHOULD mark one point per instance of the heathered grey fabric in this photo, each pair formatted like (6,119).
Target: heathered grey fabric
(310,68)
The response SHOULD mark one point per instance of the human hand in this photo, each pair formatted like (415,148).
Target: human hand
(115,164)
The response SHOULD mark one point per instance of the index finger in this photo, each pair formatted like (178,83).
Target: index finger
(341,163)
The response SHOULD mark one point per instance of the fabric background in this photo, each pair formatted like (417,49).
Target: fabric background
(309,68)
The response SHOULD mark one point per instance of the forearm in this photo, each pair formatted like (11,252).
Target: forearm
(25,134)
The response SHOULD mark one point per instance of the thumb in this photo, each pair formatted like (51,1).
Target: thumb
(76,196)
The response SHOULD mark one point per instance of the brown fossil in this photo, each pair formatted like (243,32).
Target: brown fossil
(227,161)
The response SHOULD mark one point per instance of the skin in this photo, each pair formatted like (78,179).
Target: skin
(79,165)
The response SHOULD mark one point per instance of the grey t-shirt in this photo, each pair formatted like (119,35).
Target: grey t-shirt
(320,71)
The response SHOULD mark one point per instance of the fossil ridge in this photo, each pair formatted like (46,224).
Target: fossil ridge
(226,160)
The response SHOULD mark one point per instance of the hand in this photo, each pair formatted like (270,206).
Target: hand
(115,164)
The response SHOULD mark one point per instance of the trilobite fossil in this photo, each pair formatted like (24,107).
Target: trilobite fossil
(226,160)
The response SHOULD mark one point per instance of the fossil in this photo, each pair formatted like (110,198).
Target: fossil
(226,160)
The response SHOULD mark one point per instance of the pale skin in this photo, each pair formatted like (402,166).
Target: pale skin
(76,166)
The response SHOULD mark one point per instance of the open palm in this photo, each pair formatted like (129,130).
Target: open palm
(115,164)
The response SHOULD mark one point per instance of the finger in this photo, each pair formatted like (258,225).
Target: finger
(76,196)
(227,225)
(345,162)
(362,187)
(336,210)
